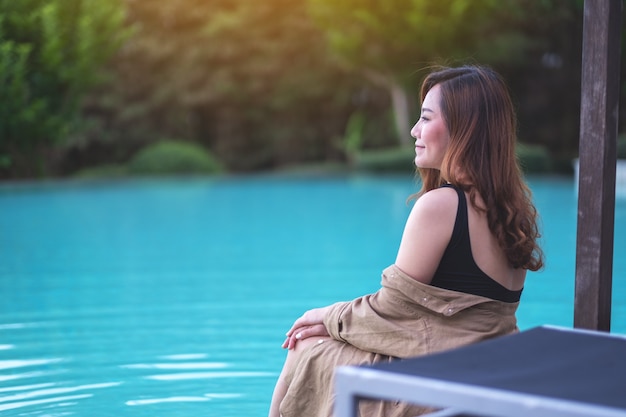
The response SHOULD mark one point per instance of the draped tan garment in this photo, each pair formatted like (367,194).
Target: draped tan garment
(405,318)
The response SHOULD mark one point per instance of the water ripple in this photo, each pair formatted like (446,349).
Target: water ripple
(206,397)
(4,407)
(223,396)
(34,374)
(26,387)
(208,375)
(166,400)
(11,326)
(55,391)
(185,356)
(186,365)
(20,363)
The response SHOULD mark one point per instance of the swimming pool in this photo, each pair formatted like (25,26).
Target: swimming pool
(170,297)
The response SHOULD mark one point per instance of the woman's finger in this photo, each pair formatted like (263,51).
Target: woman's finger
(302,333)
(310,318)
(303,321)
(291,339)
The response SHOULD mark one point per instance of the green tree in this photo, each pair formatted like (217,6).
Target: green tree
(265,84)
(51,52)
(251,81)
(389,40)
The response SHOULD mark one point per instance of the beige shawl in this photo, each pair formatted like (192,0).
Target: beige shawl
(404,318)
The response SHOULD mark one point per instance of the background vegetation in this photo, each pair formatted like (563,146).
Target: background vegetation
(89,87)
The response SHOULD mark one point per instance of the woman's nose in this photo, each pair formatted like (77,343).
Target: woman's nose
(415,131)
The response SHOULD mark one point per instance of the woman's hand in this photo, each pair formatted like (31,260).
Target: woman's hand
(309,325)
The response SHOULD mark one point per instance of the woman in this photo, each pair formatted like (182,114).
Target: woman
(458,276)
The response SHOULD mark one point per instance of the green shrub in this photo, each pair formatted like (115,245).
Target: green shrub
(533,158)
(353,137)
(400,159)
(103,171)
(173,157)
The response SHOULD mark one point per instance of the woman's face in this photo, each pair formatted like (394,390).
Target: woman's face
(430,132)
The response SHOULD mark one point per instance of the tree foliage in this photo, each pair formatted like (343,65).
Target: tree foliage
(265,84)
(390,40)
(51,52)
(251,81)
(396,37)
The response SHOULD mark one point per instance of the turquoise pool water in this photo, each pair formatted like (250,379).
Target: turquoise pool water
(170,297)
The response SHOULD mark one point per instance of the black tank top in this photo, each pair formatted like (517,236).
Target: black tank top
(457,269)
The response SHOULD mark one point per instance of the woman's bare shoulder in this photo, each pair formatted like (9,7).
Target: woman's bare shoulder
(442,200)
(427,233)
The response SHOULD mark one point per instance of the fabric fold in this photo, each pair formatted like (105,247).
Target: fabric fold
(408,318)
(404,318)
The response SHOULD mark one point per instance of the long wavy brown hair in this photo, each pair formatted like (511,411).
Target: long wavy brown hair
(481,160)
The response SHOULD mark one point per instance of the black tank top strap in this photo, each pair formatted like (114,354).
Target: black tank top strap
(457,269)
(460,222)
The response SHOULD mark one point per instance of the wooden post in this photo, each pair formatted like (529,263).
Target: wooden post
(598,142)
